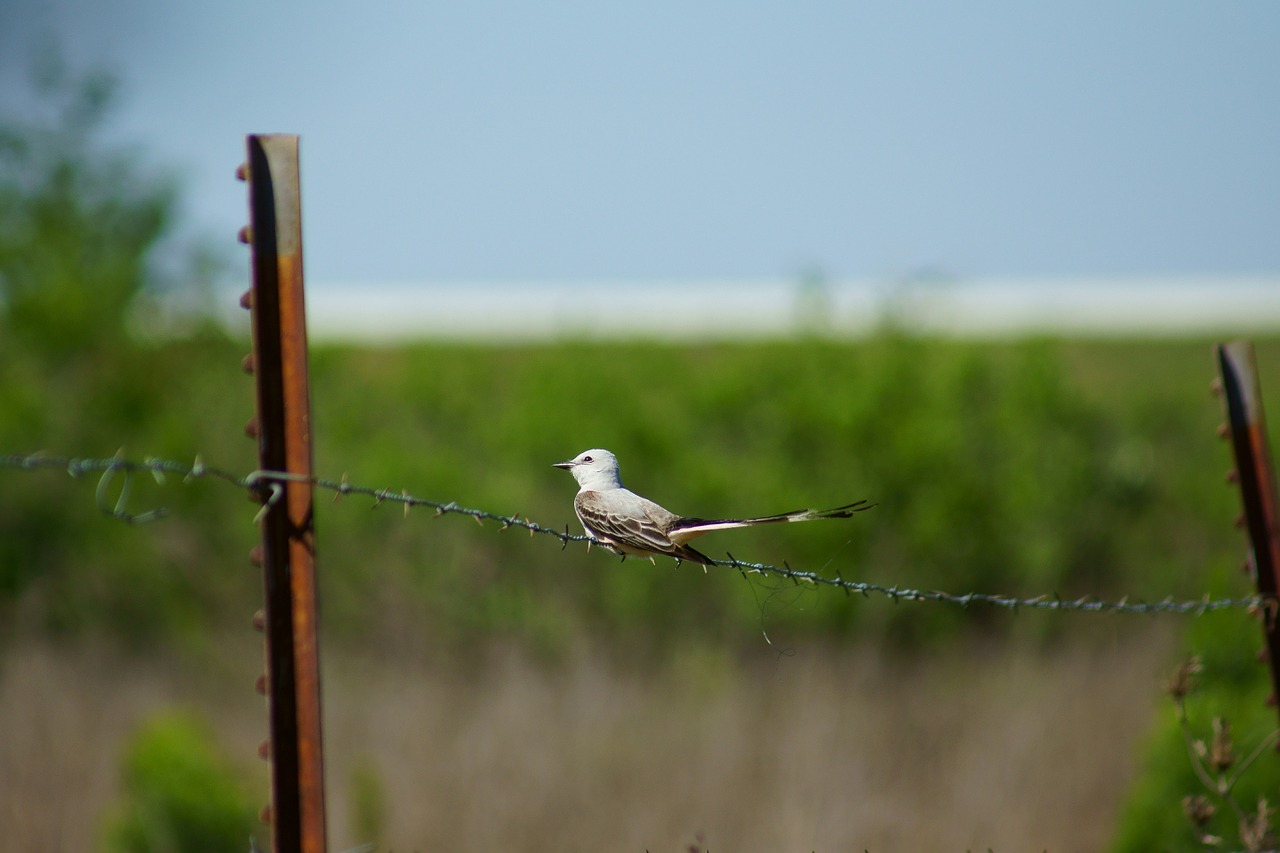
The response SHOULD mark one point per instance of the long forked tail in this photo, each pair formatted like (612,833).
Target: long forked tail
(691,528)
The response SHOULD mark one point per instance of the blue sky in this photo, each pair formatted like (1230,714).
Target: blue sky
(487,141)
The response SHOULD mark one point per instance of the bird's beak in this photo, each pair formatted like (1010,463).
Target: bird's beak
(565,465)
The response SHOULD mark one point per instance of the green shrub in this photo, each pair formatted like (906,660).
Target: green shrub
(82,225)
(368,806)
(180,794)
(1231,686)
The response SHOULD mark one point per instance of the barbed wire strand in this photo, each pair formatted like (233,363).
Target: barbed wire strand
(268,485)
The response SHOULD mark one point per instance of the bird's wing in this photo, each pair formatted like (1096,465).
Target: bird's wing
(634,524)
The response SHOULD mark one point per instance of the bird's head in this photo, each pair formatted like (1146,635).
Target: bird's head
(594,469)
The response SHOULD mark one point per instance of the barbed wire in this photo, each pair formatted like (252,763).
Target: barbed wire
(268,485)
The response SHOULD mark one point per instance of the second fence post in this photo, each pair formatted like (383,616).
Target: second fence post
(1247,429)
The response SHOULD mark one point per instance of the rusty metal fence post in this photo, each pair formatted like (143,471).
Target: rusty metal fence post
(1247,429)
(282,426)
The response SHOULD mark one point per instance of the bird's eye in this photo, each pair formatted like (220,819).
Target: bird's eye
(586,459)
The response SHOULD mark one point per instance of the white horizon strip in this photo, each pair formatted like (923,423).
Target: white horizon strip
(669,310)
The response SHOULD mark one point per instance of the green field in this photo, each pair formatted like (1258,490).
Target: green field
(1027,468)
(1040,467)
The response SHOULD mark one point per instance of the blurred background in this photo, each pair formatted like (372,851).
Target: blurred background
(966,262)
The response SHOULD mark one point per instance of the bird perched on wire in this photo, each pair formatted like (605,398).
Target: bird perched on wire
(626,523)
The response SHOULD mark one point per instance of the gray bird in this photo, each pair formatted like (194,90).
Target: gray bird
(626,523)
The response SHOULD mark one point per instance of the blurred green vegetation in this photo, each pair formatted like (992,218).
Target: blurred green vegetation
(993,469)
(1234,687)
(368,804)
(100,322)
(180,795)
(1028,467)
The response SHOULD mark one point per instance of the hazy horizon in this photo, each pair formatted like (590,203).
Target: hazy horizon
(688,310)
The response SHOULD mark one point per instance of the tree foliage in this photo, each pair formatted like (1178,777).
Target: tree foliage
(180,793)
(87,247)
(78,221)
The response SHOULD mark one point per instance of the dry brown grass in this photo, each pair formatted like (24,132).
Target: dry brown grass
(829,749)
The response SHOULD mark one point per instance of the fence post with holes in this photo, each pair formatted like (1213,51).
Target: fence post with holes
(282,427)
(1247,429)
